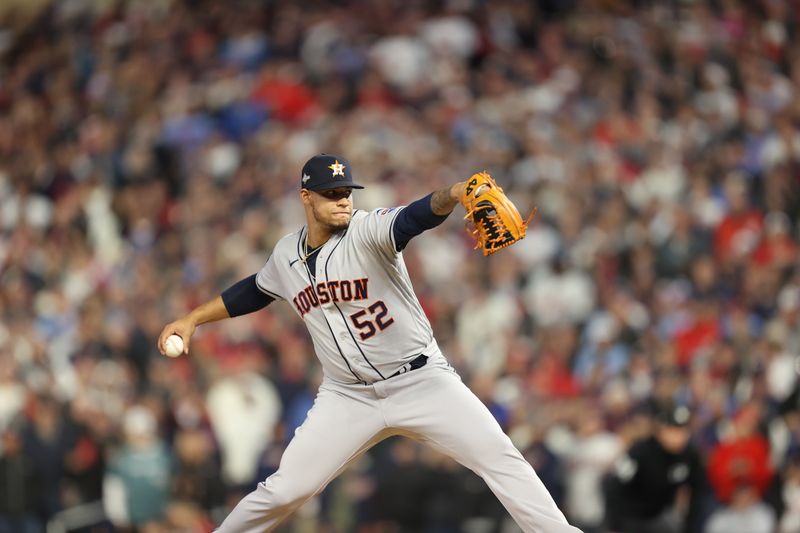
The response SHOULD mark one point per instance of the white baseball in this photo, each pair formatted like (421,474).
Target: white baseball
(173,346)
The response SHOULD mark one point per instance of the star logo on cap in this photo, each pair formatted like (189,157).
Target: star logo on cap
(306,177)
(338,168)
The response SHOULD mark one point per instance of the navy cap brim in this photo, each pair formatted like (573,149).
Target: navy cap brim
(335,185)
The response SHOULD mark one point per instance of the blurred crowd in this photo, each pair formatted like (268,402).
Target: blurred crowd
(149,158)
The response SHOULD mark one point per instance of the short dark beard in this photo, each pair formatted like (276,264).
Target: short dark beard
(339,227)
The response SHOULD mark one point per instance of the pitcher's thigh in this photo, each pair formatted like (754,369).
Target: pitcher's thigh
(449,416)
(336,430)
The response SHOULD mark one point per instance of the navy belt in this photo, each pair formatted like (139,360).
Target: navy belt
(418,362)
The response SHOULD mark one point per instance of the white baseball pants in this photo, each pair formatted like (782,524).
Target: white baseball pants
(430,404)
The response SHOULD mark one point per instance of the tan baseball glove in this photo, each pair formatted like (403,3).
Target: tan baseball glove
(496,222)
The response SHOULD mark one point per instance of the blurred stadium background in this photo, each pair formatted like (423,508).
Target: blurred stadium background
(149,157)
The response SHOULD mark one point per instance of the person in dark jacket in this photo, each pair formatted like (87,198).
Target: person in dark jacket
(20,487)
(643,487)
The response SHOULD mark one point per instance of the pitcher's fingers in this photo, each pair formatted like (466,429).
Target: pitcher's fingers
(166,332)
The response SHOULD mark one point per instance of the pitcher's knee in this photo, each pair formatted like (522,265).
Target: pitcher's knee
(489,443)
(491,448)
(288,492)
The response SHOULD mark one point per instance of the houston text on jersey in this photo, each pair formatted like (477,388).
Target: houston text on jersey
(344,290)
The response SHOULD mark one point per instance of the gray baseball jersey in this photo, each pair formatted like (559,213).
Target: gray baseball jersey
(358,303)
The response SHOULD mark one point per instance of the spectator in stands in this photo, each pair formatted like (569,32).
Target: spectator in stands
(136,487)
(20,499)
(643,488)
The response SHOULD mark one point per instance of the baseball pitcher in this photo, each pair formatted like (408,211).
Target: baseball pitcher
(384,374)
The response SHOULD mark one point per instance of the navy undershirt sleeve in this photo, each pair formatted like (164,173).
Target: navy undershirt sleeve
(413,220)
(245,297)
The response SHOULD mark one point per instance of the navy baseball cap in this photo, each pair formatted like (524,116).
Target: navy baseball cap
(326,171)
(673,415)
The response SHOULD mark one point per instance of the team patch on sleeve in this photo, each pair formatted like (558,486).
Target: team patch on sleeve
(386,211)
